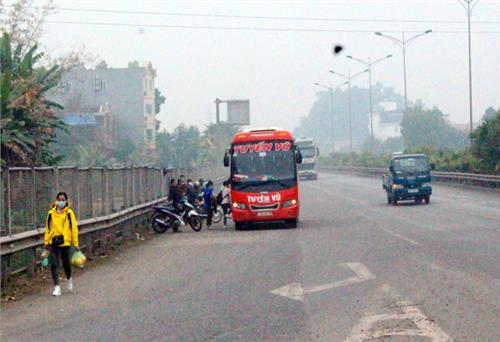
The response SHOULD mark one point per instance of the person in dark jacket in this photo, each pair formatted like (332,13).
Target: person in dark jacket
(208,202)
(173,193)
(191,192)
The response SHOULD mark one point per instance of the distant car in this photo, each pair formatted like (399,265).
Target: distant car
(409,178)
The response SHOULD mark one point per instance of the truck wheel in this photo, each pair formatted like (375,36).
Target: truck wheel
(427,199)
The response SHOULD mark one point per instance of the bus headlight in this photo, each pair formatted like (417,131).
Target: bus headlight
(289,203)
(237,205)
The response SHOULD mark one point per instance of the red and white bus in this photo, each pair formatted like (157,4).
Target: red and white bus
(263,176)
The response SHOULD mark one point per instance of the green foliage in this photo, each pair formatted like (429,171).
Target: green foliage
(28,121)
(181,148)
(486,145)
(421,127)
(159,100)
(217,138)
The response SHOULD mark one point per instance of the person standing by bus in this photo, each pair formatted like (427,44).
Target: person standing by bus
(208,202)
(61,232)
(226,201)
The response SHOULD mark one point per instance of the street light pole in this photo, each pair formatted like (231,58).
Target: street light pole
(403,44)
(348,79)
(331,88)
(469,5)
(370,65)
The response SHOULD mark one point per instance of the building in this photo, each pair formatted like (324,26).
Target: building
(387,121)
(129,94)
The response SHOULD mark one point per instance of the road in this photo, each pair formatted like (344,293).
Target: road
(356,269)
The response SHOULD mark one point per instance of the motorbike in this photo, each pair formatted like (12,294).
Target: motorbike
(217,216)
(166,217)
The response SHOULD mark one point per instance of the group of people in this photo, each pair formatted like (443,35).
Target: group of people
(181,189)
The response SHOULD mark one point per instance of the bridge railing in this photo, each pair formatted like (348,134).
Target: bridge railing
(109,203)
(490,181)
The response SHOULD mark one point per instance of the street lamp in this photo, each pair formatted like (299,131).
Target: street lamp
(348,79)
(468,8)
(370,65)
(331,89)
(403,43)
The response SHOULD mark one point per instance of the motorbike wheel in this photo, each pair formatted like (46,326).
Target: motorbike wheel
(195,223)
(218,215)
(158,227)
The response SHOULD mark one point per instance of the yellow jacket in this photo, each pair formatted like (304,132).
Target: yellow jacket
(64,223)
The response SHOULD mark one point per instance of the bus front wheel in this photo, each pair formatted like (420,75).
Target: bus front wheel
(292,223)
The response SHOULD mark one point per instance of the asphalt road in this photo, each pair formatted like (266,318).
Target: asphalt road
(356,269)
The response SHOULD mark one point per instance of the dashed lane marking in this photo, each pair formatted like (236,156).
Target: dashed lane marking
(396,235)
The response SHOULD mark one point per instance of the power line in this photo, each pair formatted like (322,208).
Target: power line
(241,28)
(264,17)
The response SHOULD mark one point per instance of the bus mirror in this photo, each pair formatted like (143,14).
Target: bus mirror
(226,159)
(391,168)
(433,166)
(298,157)
(317,151)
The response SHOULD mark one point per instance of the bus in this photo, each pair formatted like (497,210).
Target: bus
(310,154)
(263,177)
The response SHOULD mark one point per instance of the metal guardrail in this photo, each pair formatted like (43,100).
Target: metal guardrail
(107,226)
(489,181)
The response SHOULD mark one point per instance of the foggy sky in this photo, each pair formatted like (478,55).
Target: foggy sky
(276,70)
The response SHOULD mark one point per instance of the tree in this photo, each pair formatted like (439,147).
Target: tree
(216,139)
(28,121)
(134,64)
(181,148)
(159,100)
(102,65)
(428,127)
(489,113)
(486,143)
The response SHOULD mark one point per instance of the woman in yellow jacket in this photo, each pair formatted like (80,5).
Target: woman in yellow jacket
(61,232)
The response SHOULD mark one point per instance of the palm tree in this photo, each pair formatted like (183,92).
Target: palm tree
(28,120)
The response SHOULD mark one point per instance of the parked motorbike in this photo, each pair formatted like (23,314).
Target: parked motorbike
(218,214)
(167,217)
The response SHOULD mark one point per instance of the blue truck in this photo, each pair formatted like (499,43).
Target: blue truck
(409,178)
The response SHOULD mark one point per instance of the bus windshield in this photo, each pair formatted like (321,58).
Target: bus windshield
(308,152)
(263,166)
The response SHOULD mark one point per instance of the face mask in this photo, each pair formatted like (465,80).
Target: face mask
(61,204)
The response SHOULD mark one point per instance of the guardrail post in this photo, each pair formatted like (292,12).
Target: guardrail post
(76,179)
(9,208)
(33,194)
(132,181)
(31,261)
(6,269)
(104,191)
(90,192)
(124,189)
(111,190)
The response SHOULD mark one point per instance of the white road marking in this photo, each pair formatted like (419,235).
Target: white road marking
(425,327)
(396,235)
(295,291)
(207,241)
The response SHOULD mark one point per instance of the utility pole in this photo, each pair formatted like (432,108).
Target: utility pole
(369,64)
(403,44)
(217,110)
(469,5)
(348,79)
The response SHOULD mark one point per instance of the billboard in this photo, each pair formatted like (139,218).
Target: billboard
(238,112)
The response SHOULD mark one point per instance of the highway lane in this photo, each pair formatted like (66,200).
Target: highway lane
(356,269)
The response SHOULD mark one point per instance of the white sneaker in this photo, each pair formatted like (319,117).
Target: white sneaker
(57,291)
(224,227)
(70,284)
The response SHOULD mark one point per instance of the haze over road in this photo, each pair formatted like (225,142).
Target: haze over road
(355,269)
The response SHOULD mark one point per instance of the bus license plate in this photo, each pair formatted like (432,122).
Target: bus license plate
(412,191)
(265,213)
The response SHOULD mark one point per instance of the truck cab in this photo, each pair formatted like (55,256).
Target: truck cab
(310,155)
(409,178)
